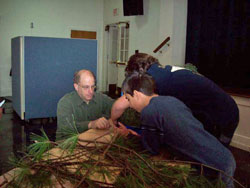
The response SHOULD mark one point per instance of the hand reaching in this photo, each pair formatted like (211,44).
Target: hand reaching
(101,123)
(122,130)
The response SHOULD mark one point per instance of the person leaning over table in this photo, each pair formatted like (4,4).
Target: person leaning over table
(83,107)
(167,122)
(217,110)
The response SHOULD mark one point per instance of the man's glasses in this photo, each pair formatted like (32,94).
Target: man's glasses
(88,87)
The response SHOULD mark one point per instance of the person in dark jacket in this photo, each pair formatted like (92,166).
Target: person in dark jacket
(168,122)
(212,106)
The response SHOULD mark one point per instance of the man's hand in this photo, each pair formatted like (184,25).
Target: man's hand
(101,123)
(122,130)
(112,123)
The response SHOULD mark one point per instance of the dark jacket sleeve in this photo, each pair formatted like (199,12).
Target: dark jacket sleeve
(151,140)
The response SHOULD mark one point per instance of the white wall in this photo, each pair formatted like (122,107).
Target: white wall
(51,18)
(241,138)
(173,21)
(55,18)
(162,18)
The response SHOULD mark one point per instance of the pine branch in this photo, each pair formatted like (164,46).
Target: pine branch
(116,160)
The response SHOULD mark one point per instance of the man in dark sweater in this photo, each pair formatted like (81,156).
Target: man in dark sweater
(168,122)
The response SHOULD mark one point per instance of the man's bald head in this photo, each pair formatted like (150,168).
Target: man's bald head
(84,84)
(82,73)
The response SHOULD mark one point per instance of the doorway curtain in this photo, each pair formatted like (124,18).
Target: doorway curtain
(218,40)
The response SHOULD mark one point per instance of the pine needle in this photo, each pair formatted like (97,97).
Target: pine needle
(123,155)
(69,144)
(68,130)
(40,146)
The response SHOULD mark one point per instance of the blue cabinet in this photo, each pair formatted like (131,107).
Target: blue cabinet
(43,70)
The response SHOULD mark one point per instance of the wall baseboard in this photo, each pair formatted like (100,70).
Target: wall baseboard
(241,142)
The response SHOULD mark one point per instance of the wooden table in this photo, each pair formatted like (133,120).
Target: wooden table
(104,136)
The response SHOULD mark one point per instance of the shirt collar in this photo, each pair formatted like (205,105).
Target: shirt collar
(79,100)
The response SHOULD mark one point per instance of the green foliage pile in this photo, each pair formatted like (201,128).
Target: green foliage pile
(130,117)
(136,167)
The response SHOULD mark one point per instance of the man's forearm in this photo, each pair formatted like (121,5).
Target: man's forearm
(118,108)
(82,126)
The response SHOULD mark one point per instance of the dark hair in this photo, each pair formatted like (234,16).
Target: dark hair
(140,62)
(77,76)
(139,82)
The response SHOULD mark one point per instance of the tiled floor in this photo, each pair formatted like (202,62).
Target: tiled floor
(14,136)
